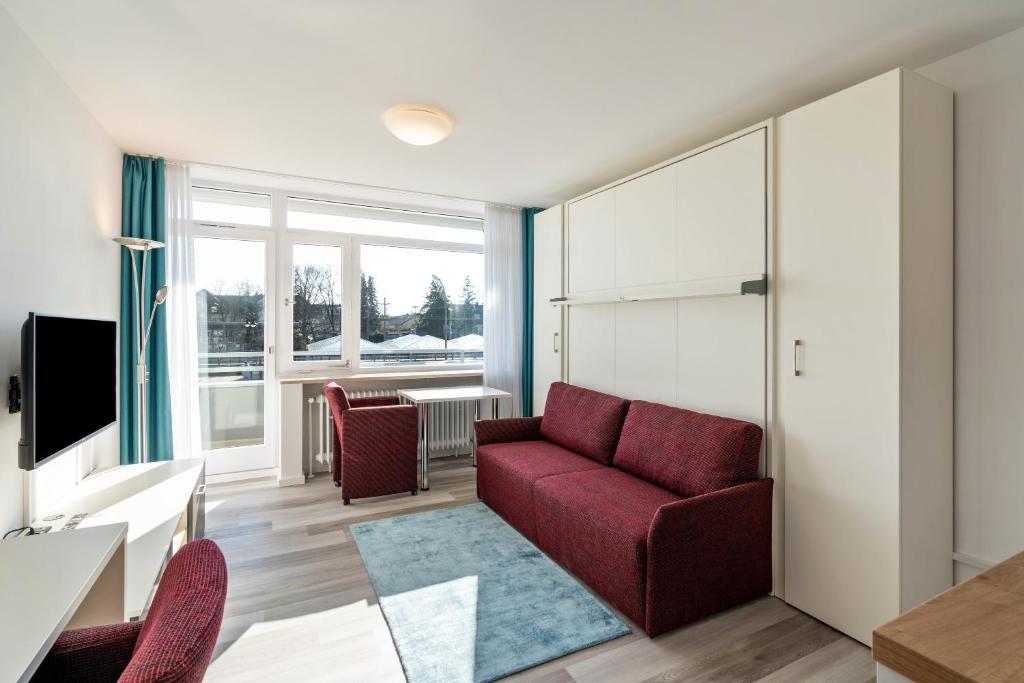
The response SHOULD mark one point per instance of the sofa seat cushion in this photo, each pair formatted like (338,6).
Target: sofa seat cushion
(584,421)
(686,452)
(595,524)
(506,474)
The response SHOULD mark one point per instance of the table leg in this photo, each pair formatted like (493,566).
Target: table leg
(476,417)
(495,408)
(423,420)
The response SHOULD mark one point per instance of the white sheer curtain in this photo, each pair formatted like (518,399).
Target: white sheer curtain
(182,344)
(503,303)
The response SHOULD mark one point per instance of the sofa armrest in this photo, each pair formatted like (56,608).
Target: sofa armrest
(507,430)
(97,653)
(373,401)
(707,553)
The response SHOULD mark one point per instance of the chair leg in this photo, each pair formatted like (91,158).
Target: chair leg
(337,484)
(414,491)
(345,501)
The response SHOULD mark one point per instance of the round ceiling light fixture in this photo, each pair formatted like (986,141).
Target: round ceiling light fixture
(418,124)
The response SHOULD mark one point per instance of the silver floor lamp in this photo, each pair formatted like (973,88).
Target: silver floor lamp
(141,333)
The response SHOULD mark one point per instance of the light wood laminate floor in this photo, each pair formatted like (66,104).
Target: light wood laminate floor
(301,607)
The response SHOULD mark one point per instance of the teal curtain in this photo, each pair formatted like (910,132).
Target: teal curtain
(527,345)
(142,215)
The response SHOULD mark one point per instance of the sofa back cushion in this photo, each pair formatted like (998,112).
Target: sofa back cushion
(584,421)
(686,452)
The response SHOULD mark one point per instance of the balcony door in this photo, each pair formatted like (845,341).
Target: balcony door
(234,283)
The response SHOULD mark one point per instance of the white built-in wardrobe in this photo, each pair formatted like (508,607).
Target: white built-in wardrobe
(864,295)
(846,206)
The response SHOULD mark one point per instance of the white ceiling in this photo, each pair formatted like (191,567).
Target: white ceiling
(550,97)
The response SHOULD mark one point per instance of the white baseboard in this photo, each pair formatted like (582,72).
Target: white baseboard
(291,481)
(974,561)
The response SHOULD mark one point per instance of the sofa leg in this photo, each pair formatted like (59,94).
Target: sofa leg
(345,501)
(337,484)
(414,491)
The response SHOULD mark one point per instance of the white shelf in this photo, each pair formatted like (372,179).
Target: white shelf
(690,289)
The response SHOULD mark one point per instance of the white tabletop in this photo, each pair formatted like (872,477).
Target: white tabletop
(150,497)
(443,394)
(43,581)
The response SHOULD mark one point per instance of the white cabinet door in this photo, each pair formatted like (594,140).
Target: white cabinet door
(592,243)
(547,319)
(591,360)
(838,283)
(645,229)
(721,209)
(645,351)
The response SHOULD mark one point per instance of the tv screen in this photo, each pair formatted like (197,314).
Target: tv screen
(69,368)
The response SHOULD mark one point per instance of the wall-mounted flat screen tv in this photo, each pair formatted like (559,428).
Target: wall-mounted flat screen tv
(69,378)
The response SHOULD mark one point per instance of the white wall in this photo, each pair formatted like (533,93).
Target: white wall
(60,196)
(989,398)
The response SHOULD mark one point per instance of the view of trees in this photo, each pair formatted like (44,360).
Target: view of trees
(316,305)
(234,321)
(440,317)
(371,312)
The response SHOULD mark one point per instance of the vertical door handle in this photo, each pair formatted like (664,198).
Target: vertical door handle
(555,348)
(796,363)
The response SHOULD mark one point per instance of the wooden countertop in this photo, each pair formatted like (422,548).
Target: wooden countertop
(971,632)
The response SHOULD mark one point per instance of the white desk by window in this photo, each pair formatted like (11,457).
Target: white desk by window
(423,398)
(160,501)
(50,582)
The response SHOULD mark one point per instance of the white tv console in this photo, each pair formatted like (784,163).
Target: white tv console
(162,504)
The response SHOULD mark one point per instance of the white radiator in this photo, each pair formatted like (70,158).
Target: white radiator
(451,428)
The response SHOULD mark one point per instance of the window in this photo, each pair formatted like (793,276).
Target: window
(230,316)
(309,214)
(228,206)
(420,306)
(354,286)
(316,302)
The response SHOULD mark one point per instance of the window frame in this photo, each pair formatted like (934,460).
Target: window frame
(283,237)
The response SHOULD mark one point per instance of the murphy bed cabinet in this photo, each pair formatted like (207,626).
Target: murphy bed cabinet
(864,349)
(547,319)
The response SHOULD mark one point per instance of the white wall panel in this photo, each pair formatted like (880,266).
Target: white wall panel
(721,210)
(721,356)
(645,351)
(592,243)
(592,347)
(645,229)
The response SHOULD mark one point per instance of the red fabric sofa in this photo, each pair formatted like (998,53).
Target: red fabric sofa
(658,509)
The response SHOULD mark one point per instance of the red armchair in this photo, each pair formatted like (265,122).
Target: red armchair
(374,445)
(174,643)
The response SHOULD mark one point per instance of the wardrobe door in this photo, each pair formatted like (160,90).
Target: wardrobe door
(721,195)
(547,319)
(591,243)
(645,229)
(838,284)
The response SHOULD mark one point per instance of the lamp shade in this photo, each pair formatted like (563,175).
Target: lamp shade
(138,243)
(418,124)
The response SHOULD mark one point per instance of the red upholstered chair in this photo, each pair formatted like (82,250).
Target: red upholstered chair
(374,445)
(174,643)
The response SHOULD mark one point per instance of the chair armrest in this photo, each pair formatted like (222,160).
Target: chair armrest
(707,553)
(373,401)
(507,429)
(369,432)
(97,653)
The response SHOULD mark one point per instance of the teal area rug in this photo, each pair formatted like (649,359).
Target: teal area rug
(468,598)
